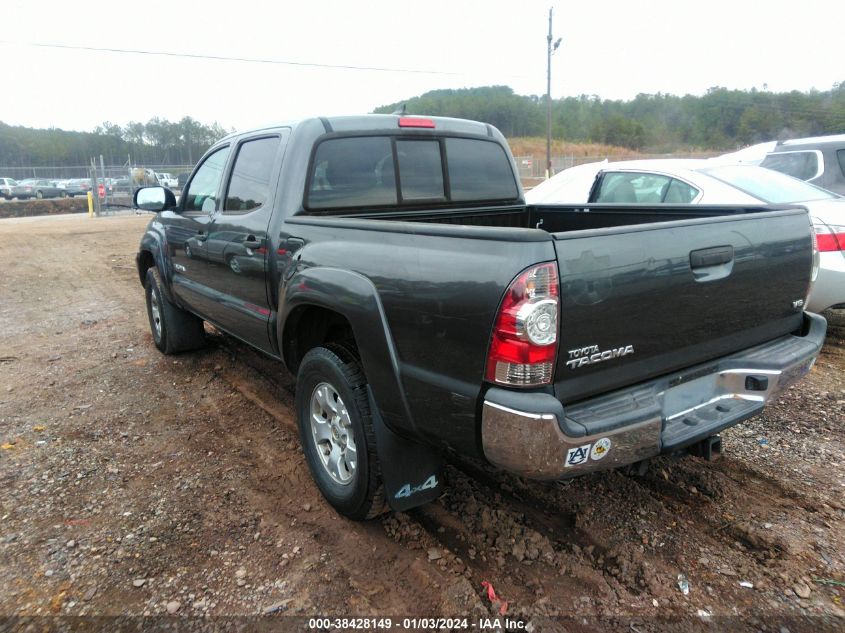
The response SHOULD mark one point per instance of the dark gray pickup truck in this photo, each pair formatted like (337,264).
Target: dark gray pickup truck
(392,264)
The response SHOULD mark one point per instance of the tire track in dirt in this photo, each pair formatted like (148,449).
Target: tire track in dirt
(593,562)
(254,379)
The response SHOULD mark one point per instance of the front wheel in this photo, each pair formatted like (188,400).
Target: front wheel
(174,330)
(336,431)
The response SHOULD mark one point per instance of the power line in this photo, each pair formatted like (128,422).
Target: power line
(251,60)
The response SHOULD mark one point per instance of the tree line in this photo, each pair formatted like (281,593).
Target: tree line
(721,119)
(156,142)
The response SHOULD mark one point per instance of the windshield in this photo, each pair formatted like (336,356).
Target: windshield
(767,185)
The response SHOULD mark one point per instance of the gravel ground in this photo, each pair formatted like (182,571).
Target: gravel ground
(137,484)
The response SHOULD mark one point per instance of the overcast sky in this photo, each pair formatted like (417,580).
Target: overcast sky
(610,48)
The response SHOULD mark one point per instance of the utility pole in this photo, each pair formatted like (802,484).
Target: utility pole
(550,49)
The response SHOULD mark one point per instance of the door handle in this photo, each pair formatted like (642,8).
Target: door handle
(293,244)
(707,257)
(712,264)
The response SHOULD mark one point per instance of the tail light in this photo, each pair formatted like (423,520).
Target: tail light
(829,237)
(523,348)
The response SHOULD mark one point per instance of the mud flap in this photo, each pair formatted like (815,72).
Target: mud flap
(412,472)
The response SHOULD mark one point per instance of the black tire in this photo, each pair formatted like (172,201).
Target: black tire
(361,498)
(174,330)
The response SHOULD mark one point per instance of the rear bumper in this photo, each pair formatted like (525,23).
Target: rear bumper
(535,436)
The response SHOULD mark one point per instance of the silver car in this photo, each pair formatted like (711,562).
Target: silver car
(7,187)
(689,181)
(38,188)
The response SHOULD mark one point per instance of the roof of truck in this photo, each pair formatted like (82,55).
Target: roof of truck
(380,123)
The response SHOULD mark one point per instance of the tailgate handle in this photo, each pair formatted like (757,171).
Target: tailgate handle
(707,257)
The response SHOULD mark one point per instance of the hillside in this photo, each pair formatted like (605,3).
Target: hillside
(721,119)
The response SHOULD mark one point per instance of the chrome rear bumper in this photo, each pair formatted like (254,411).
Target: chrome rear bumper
(533,435)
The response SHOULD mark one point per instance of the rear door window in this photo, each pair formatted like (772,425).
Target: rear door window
(679,192)
(801,165)
(631,188)
(250,180)
(643,188)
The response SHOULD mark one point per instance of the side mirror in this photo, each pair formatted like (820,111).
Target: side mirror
(153,199)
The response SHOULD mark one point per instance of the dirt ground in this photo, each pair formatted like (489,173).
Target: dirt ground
(137,484)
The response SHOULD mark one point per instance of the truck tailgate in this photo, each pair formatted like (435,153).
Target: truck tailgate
(641,301)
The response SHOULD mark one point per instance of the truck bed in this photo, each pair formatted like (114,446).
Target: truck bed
(679,285)
(565,218)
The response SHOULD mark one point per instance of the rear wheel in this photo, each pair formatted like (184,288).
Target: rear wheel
(174,330)
(336,431)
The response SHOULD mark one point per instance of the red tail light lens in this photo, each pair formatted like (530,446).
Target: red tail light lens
(523,348)
(829,237)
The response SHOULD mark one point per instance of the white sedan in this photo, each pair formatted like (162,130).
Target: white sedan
(691,181)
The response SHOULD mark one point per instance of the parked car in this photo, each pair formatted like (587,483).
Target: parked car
(78,187)
(751,155)
(182,179)
(423,306)
(7,187)
(819,160)
(166,180)
(676,181)
(121,184)
(38,188)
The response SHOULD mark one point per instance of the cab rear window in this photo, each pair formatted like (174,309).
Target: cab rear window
(377,171)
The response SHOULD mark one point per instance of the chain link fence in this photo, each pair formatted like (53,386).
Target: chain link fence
(112,184)
(120,181)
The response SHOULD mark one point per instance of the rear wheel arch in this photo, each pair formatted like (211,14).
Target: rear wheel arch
(348,310)
(309,326)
